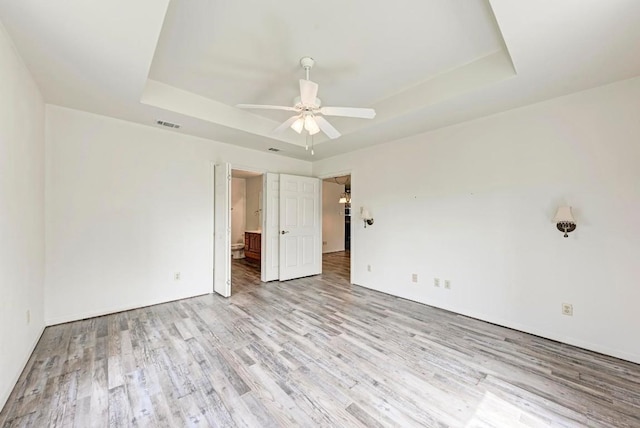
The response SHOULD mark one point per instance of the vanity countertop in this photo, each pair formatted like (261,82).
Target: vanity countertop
(253,231)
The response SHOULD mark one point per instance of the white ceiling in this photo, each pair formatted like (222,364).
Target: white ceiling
(420,64)
(218,50)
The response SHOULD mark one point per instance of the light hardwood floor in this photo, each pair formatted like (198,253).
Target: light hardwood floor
(313,352)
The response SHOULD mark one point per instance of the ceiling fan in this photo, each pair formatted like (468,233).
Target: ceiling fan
(309,113)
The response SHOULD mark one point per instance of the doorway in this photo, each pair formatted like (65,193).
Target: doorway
(246,230)
(336,224)
(290,234)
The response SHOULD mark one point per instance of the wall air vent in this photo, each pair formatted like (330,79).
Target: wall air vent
(168,124)
(273,149)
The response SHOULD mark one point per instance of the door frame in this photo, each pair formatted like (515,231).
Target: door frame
(232,166)
(263,171)
(340,173)
(222,229)
(270,233)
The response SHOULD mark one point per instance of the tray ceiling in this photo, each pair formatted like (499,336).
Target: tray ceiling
(420,64)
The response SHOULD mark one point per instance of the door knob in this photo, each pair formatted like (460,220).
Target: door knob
(285,231)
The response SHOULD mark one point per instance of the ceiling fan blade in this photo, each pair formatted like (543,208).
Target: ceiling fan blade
(308,92)
(287,123)
(327,128)
(267,107)
(362,113)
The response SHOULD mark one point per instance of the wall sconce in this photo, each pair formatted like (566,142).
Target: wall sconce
(564,220)
(366,217)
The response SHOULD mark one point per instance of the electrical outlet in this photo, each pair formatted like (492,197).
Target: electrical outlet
(324,242)
(447,284)
(176,276)
(436,282)
(414,277)
(567,309)
(368,268)
(28,316)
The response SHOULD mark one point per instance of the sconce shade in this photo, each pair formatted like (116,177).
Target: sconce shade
(564,215)
(345,198)
(564,221)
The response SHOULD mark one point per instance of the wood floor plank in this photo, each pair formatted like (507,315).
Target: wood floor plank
(314,351)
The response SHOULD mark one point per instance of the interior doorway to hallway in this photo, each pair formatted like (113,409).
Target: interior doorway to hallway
(336,217)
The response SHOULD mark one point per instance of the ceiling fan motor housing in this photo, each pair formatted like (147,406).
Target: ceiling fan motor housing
(297,103)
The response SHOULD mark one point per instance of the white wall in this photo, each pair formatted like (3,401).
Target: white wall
(238,209)
(128,206)
(332,218)
(254,196)
(473,203)
(21,215)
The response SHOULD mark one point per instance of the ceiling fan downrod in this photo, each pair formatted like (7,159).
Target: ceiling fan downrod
(307,63)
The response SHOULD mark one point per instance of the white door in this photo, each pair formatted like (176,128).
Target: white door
(270,227)
(222,230)
(300,227)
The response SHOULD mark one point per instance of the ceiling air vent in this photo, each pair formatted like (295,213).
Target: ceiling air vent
(273,149)
(168,124)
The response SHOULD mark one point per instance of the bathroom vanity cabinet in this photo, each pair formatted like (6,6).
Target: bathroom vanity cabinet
(252,245)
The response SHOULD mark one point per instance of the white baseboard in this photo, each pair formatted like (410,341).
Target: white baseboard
(5,394)
(110,310)
(589,346)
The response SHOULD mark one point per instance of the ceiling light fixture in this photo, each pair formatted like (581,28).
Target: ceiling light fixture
(345,197)
(298,125)
(310,125)
(309,113)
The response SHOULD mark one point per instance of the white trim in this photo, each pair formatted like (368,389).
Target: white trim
(335,174)
(589,346)
(113,310)
(6,394)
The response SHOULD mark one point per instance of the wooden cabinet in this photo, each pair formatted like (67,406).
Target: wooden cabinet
(252,245)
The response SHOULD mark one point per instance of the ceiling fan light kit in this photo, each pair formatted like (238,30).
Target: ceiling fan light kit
(310,125)
(298,125)
(309,113)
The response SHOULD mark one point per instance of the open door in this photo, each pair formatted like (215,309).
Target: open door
(269,269)
(222,230)
(300,227)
